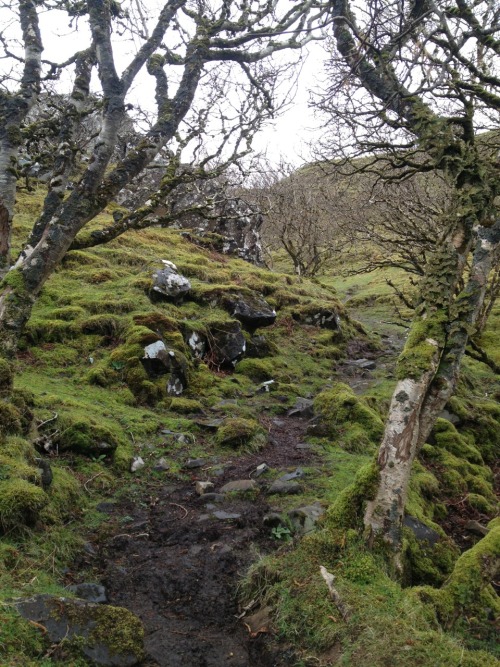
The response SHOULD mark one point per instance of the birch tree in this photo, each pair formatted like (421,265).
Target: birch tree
(416,86)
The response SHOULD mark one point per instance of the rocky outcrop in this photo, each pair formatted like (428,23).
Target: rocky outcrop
(169,284)
(110,636)
(159,360)
(206,208)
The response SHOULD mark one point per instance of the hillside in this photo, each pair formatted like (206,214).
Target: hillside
(104,453)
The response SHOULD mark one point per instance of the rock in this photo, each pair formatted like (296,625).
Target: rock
(226,516)
(259,348)
(259,622)
(160,360)
(260,469)
(365,364)
(162,465)
(46,472)
(450,416)
(303,408)
(303,447)
(227,344)
(304,519)
(169,284)
(197,344)
(110,636)
(212,498)
(251,310)
(89,592)
(284,488)
(195,463)
(266,387)
(476,528)
(273,520)
(421,531)
(325,318)
(203,487)
(211,425)
(137,464)
(297,474)
(239,485)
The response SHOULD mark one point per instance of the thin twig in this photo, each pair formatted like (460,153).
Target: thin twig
(334,594)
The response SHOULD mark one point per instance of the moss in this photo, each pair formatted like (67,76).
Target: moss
(10,418)
(446,436)
(67,313)
(156,321)
(418,352)
(347,510)
(185,405)
(101,375)
(50,331)
(5,376)
(65,496)
(347,419)
(237,432)
(473,572)
(20,503)
(426,563)
(84,435)
(258,370)
(106,325)
(141,335)
(480,503)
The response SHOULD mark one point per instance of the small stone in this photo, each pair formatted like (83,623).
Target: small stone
(304,519)
(260,469)
(239,485)
(303,408)
(303,446)
(195,463)
(297,474)
(137,464)
(279,423)
(90,592)
(212,498)
(226,516)
(273,520)
(203,487)
(162,465)
(266,387)
(284,488)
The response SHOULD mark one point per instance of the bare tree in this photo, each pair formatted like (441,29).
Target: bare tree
(301,215)
(188,44)
(413,86)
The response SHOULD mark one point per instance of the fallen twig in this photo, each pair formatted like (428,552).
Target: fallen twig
(186,512)
(91,480)
(334,594)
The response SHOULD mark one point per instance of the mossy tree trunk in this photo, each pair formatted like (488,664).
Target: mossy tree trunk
(420,113)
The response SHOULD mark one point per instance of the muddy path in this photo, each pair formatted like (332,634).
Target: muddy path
(175,559)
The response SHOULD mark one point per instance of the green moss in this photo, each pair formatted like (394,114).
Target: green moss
(49,331)
(447,437)
(67,313)
(418,352)
(480,503)
(473,572)
(426,563)
(20,503)
(85,435)
(238,432)
(258,370)
(65,496)
(10,418)
(140,335)
(347,510)
(185,405)
(5,376)
(347,419)
(106,325)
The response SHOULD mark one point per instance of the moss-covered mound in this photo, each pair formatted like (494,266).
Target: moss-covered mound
(347,419)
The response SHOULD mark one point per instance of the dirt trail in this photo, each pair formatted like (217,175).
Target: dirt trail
(177,566)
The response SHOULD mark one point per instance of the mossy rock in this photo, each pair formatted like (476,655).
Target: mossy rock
(258,370)
(347,419)
(50,331)
(427,563)
(85,436)
(10,418)
(185,406)
(104,634)
(6,376)
(20,503)
(156,321)
(238,432)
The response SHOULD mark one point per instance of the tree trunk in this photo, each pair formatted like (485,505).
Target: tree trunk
(428,370)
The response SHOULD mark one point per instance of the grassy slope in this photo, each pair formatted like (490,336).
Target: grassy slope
(92,308)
